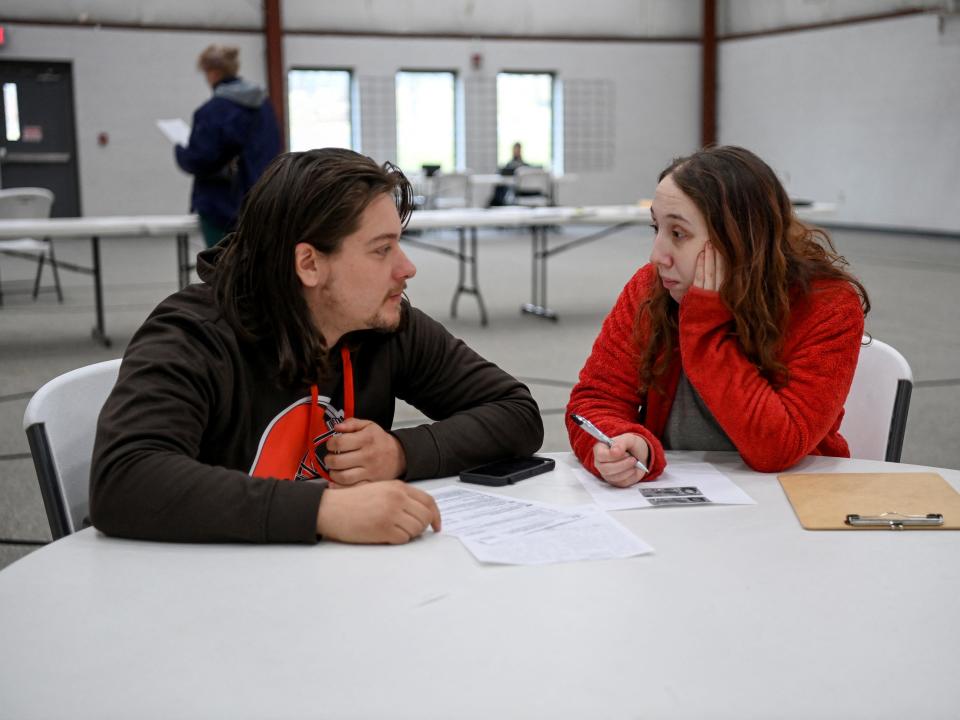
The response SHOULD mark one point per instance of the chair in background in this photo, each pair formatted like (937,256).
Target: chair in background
(61,423)
(532,187)
(875,414)
(29,204)
(450,190)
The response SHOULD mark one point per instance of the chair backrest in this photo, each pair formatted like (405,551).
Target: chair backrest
(26,203)
(451,189)
(875,414)
(61,423)
(531,179)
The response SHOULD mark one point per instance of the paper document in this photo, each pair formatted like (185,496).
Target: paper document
(175,130)
(498,529)
(685,483)
(489,518)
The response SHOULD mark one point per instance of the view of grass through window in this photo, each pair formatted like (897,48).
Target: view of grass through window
(525,115)
(319,109)
(426,114)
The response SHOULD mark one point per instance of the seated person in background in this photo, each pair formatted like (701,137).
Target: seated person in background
(502,193)
(742,333)
(257,405)
(516,161)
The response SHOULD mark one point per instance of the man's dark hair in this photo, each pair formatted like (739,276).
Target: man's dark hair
(316,197)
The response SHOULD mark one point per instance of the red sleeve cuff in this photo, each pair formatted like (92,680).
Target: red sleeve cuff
(704,307)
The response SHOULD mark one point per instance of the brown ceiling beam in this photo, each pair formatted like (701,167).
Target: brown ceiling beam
(273,33)
(708,125)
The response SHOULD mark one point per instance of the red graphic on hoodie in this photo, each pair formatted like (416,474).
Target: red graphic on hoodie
(289,450)
(294,445)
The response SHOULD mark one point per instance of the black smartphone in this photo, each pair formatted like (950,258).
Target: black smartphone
(507,472)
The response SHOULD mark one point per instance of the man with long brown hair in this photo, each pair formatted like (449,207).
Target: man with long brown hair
(258,404)
(742,333)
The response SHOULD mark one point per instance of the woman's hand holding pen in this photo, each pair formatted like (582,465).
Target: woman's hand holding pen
(617,464)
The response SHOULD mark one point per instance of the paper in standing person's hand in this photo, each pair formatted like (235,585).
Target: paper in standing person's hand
(176,130)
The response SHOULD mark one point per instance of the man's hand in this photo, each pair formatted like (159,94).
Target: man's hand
(387,512)
(363,451)
(710,271)
(617,464)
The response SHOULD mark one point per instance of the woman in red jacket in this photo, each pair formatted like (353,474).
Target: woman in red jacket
(742,333)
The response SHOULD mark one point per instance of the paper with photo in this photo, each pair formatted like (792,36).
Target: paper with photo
(500,529)
(176,130)
(684,483)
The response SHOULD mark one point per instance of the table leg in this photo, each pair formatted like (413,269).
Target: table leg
(461,272)
(468,256)
(538,281)
(473,274)
(183,260)
(179,263)
(55,271)
(534,269)
(98,333)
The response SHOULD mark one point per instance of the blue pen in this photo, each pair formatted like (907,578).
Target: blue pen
(591,430)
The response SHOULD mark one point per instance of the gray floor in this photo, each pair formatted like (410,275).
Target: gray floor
(914,282)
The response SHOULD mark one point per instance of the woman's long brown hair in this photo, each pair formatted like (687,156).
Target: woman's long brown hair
(769,255)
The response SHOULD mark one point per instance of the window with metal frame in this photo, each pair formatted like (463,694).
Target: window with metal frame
(320,109)
(525,115)
(426,119)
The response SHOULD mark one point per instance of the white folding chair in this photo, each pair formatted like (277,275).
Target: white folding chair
(532,187)
(27,204)
(450,190)
(875,414)
(61,423)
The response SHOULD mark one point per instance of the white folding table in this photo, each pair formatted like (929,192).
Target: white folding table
(178,226)
(739,613)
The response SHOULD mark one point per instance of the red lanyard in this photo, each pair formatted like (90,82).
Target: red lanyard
(347,383)
(316,426)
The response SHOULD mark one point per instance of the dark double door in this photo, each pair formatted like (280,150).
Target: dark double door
(38,146)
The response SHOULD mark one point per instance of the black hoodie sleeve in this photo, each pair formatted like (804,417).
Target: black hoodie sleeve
(482,413)
(147,478)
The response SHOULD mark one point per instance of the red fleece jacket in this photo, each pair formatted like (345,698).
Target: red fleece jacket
(772,428)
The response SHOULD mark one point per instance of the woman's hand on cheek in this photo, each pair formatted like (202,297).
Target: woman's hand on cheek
(709,273)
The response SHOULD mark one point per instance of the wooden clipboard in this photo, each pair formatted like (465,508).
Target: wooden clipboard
(824,501)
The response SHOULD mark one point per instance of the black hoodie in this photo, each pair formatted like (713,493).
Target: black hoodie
(200,441)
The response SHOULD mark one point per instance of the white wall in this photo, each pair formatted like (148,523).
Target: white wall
(740,16)
(625,18)
(124,80)
(247,14)
(863,115)
(656,89)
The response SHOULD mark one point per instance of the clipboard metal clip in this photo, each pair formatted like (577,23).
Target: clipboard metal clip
(895,520)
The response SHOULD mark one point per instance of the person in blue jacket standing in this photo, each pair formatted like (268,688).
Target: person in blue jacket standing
(233,139)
